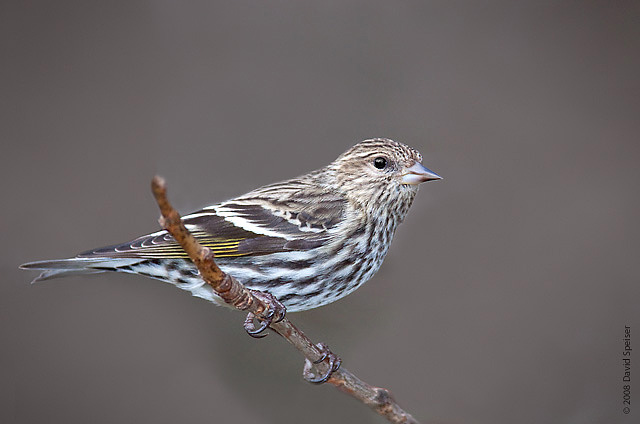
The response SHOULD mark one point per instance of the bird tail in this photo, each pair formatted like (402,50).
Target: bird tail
(76,266)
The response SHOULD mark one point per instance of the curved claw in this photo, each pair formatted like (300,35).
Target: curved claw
(269,315)
(322,358)
(275,313)
(251,329)
(334,365)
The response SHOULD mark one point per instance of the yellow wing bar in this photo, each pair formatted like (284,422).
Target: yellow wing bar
(221,248)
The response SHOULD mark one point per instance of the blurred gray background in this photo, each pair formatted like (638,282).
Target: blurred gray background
(505,293)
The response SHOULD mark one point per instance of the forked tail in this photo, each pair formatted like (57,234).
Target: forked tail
(76,266)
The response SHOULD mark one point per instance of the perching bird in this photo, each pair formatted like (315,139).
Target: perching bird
(308,241)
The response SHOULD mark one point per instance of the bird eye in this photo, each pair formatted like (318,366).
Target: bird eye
(380,162)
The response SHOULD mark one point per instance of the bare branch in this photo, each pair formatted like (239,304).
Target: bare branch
(238,296)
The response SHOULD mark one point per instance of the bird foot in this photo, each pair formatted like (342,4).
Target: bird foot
(327,355)
(275,313)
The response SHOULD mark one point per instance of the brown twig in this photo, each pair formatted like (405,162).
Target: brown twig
(238,296)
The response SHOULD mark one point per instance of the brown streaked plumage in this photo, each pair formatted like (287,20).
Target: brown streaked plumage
(308,241)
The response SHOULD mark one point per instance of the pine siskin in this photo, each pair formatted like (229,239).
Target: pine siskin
(308,241)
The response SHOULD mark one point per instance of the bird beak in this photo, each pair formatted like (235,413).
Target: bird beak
(417,174)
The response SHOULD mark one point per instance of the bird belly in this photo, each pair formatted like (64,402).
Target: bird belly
(301,279)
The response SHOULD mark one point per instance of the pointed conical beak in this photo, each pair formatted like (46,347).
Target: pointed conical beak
(417,174)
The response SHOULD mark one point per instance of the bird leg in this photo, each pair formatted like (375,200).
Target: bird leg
(275,313)
(334,364)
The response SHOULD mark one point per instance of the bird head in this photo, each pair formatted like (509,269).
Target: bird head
(378,168)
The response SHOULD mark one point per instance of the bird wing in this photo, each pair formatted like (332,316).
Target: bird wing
(255,224)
